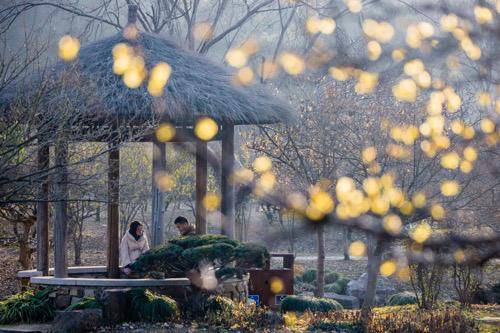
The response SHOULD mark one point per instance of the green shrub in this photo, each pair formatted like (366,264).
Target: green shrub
(85,303)
(149,306)
(27,307)
(338,287)
(403,298)
(331,277)
(301,304)
(219,309)
(309,276)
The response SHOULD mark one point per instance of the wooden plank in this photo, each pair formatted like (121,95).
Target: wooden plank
(42,213)
(158,205)
(201,187)
(113,211)
(60,209)
(227,188)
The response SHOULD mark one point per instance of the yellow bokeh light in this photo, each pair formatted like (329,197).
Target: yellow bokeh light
(262,164)
(69,47)
(483,15)
(244,76)
(357,249)
(354,6)
(466,166)
(418,199)
(484,98)
(487,126)
(367,82)
(268,69)
(316,25)
(158,78)
(379,205)
(292,63)
(343,187)
(414,67)
(243,176)
(135,73)
(211,202)
(206,128)
(392,224)
(165,132)
(470,153)
(164,181)
(425,29)
(406,90)
(374,50)
(457,126)
(322,201)
(265,184)
(437,212)
(371,186)
(421,232)
(276,285)
(388,268)
(450,160)
(236,57)
(448,22)
(398,55)
(449,187)
(369,154)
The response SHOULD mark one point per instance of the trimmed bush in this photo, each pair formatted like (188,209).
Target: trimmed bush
(338,287)
(27,307)
(85,303)
(149,306)
(403,298)
(331,277)
(309,276)
(301,304)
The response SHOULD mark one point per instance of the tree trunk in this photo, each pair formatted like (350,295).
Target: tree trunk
(347,242)
(374,258)
(320,277)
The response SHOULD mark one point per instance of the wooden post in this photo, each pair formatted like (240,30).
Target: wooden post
(42,213)
(158,205)
(113,210)
(227,189)
(201,187)
(60,209)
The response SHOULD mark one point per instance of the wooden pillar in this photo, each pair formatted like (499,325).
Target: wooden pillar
(113,211)
(60,209)
(227,188)
(201,187)
(42,213)
(158,205)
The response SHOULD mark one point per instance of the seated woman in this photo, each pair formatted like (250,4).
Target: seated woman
(133,244)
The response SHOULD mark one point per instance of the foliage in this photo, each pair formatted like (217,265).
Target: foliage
(242,317)
(403,298)
(219,309)
(183,254)
(85,303)
(338,287)
(309,276)
(331,326)
(27,307)
(149,306)
(301,304)
(331,277)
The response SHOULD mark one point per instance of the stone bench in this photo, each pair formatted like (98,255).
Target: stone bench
(76,270)
(108,283)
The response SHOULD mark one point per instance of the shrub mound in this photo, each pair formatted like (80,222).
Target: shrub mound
(27,307)
(149,306)
(338,287)
(309,276)
(301,304)
(85,303)
(187,253)
(331,277)
(403,298)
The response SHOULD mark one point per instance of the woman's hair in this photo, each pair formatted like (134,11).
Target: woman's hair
(180,220)
(133,229)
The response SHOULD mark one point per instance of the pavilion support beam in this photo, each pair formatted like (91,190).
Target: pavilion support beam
(113,210)
(42,213)
(227,187)
(60,209)
(158,205)
(201,187)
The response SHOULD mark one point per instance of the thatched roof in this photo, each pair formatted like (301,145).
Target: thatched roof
(197,87)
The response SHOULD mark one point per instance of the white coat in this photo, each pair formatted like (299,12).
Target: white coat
(131,249)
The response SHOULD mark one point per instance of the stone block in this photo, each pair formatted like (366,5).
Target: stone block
(73,292)
(77,321)
(75,300)
(62,301)
(348,302)
(87,292)
(115,305)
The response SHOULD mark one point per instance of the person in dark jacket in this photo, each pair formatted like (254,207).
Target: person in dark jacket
(185,228)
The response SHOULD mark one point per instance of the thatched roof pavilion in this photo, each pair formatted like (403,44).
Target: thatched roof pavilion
(196,88)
